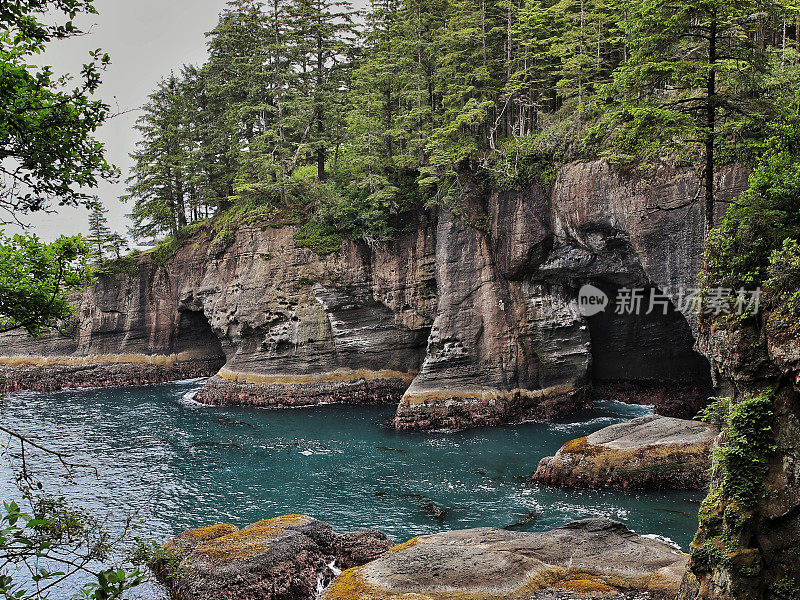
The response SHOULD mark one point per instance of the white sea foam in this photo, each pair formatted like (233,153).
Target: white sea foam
(662,538)
(188,399)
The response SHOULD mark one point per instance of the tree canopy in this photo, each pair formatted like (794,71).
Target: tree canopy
(47,152)
(355,117)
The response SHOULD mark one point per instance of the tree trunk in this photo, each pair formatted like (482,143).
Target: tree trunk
(711,110)
(321,164)
(320,109)
(180,200)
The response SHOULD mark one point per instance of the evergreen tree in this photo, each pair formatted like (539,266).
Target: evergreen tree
(116,244)
(322,33)
(297,107)
(158,180)
(534,80)
(694,65)
(99,232)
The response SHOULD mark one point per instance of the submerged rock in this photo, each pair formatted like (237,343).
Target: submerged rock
(593,557)
(285,558)
(651,452)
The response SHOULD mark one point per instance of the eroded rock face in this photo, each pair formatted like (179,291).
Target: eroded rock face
(594,557)
(469,315)
(502,348)
(651,452)
(285,558)
(290,327)
(756,556)
(508,342)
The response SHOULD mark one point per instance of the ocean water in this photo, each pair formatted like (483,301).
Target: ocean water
(173,465)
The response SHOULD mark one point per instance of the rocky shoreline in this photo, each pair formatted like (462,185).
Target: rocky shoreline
(284,558)
(296,557)
(475,305)
(361,390)
(648,453)
(485,409)
(53,377)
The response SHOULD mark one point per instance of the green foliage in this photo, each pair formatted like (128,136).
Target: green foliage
(739,251)
(46,127)
(784,589)
(755,244)
(101,239)
(164,559)
(717,412)
(709,555)
(318,237)
(529,167)
(67,542)
(783,290)
(36,280)
(729,512)
(128,265)
(294,110)
(742,456)
(165,250)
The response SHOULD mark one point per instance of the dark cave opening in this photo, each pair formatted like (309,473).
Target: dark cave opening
(648,358)
(195,340)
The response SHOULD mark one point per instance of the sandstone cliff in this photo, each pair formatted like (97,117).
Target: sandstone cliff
(746,546)
(468,317)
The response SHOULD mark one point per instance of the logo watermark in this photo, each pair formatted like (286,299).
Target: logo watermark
(591,300)
(641,300)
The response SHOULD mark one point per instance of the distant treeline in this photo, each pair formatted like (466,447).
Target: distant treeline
(345,119)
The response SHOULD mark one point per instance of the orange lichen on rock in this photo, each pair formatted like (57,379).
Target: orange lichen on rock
(580,446)
(241,544)
(584,583)
(209,532)
(404,545)
(283,522)
(351,584)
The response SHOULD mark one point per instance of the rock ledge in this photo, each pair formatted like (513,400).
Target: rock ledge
(284,558)
(651,452)
(593,558)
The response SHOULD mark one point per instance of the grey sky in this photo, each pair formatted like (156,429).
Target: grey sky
(146,40)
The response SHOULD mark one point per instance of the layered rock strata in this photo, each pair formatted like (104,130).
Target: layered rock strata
(468,317)
(594,558)
(647,453)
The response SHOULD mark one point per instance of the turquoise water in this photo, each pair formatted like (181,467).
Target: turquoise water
(177,465)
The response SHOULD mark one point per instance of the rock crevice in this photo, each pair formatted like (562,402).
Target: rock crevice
(467,317)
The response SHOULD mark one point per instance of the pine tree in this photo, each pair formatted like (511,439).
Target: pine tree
(158,180)
(535,78)
(115,245)
(693,65)
(99,232)
(322,31)
(267,163)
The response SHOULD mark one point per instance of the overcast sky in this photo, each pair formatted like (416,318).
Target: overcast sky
(146,40)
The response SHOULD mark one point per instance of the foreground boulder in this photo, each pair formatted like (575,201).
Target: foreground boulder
(285,558)
(650,452)
(593,558)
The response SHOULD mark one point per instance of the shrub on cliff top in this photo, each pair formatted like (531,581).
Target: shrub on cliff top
(128,264)
(740,250)
(783,290)
(165,250)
